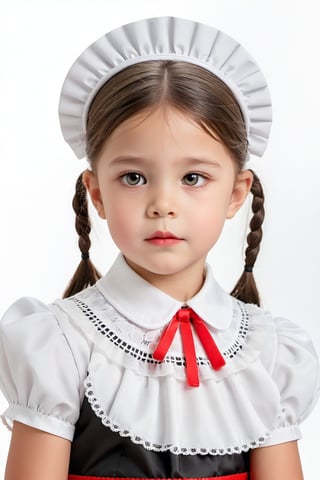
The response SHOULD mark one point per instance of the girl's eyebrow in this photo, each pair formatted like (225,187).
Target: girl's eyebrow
(124,159)
(188,161)
(202,161)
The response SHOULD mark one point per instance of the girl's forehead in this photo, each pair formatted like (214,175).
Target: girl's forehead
(159,118)
(163,132)
(157,121)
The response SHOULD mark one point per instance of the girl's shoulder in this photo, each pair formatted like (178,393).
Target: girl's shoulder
(275,334)
(43,359)
(281,342)
(286,353)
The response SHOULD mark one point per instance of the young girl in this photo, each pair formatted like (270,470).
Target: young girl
(154,371)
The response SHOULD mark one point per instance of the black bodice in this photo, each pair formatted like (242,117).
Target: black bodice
(98,451)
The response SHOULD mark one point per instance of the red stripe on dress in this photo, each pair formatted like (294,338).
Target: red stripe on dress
(236,476)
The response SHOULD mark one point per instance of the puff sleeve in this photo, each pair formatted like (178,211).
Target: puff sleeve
(295,371)
(38,372)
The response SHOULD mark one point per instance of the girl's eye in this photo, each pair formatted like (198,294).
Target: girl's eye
(193,179)
(133,179)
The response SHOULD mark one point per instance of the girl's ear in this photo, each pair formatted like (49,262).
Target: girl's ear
(240,192)
(89,180)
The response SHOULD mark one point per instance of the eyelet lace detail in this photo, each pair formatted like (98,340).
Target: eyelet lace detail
(177,450)
(145,356)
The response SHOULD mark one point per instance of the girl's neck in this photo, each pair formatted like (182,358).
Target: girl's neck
(181,285)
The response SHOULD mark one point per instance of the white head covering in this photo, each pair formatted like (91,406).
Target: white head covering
(165,38)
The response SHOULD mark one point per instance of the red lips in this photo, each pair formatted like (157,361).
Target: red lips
(163,239)
(160,234)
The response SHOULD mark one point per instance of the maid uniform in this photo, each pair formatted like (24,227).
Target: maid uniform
(84,368)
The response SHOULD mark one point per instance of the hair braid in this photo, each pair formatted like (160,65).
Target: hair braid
(86,273)
(246,288)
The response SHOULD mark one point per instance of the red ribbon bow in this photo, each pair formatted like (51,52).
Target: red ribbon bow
(183,318)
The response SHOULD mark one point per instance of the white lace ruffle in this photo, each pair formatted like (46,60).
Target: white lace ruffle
(149,401)
(106,421)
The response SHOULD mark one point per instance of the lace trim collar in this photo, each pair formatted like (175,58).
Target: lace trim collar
(140,350)
(149,307)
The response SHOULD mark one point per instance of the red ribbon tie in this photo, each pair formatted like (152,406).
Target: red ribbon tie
(183,319)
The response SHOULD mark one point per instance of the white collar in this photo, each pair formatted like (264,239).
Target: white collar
(149,307)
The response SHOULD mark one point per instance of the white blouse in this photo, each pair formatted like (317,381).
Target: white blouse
(99,344)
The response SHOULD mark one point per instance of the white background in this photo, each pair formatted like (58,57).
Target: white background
(38,42)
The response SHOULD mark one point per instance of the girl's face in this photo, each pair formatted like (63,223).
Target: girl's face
(166,187)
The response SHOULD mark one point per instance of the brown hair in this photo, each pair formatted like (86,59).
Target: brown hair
(192,90)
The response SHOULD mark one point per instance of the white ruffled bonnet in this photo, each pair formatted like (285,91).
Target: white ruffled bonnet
(165,38)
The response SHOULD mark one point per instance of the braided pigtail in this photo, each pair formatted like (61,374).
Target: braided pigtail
(246,288)
(86,273)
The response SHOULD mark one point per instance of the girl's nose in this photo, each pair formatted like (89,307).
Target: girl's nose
(161,206)
(160,212)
